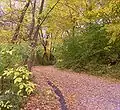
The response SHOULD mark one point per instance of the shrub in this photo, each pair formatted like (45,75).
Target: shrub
(83,46)
(89,50)
(13,55)
(15,87)
(15,82)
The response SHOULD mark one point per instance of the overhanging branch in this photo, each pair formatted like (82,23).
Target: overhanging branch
(49,12)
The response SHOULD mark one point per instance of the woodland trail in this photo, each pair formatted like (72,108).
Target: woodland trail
(76,91)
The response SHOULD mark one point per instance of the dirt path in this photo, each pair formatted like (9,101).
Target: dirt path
(78,91)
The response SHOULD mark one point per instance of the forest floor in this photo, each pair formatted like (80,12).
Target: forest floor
(66,90)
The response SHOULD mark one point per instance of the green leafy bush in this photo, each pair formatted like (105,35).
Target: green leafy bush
(89,50)
(16,85)
(13,55)
(15,82)
(79,50)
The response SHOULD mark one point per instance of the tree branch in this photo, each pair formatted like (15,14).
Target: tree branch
(49,12)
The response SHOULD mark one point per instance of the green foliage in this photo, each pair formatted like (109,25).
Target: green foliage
(15,82)
(82,46)
(13,55)
(5,35)
(16,86)
(95,45)
(89,50)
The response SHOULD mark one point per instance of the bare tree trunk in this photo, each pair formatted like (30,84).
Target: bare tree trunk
(33,20)
(35,37)
(15,36)
(43,41)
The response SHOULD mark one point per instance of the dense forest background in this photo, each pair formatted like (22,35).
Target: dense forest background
(82,35)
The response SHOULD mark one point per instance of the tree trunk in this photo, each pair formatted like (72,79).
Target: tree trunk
(33,20)
(35,38)
(15,36)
